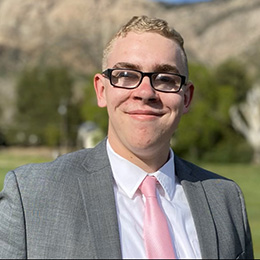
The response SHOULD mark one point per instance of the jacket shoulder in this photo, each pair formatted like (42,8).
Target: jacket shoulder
(196,172)
(75,163)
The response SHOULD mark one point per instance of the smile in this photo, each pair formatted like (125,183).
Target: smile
(144,114)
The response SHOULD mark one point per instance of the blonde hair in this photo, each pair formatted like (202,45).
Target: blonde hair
(143,24)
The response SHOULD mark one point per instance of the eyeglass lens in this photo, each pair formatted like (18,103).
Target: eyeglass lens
(159,81)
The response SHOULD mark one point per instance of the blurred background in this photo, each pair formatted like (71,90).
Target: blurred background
(50,50)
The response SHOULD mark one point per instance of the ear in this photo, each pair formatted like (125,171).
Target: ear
(188,95)
(100,90)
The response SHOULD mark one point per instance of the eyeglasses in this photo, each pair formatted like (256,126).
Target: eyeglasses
(130,79)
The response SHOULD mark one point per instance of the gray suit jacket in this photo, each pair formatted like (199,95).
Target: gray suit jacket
(66,209)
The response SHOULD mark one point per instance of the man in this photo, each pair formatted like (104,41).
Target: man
(91,203)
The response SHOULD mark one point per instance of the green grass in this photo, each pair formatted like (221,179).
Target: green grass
(10,160)
(247,177)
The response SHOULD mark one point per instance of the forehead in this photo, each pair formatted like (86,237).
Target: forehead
(145,50)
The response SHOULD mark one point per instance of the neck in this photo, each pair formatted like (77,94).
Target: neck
(148,159)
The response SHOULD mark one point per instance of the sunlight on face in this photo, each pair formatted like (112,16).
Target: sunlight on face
(142,120)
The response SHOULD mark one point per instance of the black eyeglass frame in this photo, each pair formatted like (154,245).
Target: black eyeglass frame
(108,72)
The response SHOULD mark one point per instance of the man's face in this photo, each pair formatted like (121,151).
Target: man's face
(142,120)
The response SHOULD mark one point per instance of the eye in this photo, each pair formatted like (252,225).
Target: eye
(167,79)
(127,74)
(125,78)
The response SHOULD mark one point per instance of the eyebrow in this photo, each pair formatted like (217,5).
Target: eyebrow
(166,68)
(126,65)
(157,68)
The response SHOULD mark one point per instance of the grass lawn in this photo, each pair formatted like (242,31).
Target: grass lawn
(10,159)
(247,176)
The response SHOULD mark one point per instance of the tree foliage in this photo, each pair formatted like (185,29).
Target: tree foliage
(89,108)
(206,133)
(45,106)
(235,74)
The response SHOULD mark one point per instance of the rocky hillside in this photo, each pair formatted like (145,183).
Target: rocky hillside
(74,31)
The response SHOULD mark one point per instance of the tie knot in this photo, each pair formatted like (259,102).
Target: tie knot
(148,186)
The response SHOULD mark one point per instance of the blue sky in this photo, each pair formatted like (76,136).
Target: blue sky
(181,1)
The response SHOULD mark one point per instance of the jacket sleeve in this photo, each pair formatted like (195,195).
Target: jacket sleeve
(12,220)
(249,254)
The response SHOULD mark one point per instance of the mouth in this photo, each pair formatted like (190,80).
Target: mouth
(145,114)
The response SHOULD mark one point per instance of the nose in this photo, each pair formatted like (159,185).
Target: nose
(145,91)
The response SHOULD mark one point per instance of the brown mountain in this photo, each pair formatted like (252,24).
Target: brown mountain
(74,31)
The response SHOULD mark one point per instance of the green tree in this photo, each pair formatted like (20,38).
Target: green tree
(89,108)
(235,74)
(205,133)
(45,107)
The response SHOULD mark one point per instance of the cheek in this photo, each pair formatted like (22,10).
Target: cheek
(174,103)
(117,97)
(115,103)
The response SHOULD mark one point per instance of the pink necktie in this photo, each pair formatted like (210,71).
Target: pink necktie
(157,238)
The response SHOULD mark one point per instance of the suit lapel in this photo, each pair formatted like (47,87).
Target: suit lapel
(96,187)
(200,209)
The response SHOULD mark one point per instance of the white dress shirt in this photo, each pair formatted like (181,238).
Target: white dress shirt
(130,208)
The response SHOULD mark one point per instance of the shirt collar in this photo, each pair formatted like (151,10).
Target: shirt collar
(128,176)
